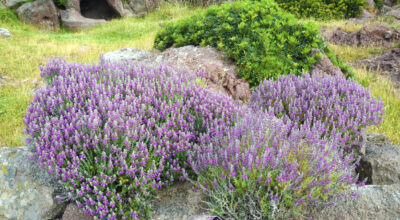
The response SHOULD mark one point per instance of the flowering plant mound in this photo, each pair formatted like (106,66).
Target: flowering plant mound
(260,169)
(115,132)
(343,106)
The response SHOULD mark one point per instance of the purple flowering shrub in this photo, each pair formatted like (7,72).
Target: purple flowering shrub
(260,169)
(115,132)
(343,106)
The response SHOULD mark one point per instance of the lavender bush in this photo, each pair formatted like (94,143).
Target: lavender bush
(113,133)
(343,106)
(260,169)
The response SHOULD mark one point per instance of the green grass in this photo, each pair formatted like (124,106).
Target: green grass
(28,48)
(382,88)
(351,54)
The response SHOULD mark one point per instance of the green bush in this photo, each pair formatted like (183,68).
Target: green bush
(323,9)
(263,40)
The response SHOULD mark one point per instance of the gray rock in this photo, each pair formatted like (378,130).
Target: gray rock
(75,4)
(41,13)
(394,13)
(117,6)
(140,7)
(370,3)
(381,162)
(390,3)
(4,32)
(73,20)
(373,202)
(132,54)
(364,18)
(72,212)
(26,191)
(13,4)
(178,201)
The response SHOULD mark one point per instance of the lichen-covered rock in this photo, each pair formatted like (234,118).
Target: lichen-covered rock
(381,162)
(371,203)
(26,191)
(41,13)
(4,32)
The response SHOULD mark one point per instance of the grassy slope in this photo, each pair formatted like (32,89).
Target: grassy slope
(21,55)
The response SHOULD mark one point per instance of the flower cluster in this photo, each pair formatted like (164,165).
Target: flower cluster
(114,132)
(260,169)
(343,106)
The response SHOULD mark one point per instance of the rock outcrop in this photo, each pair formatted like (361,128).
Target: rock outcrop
(73,20)
(370,35)
(381,162)
(372,202)
(4,32)
(27,191)
(41,13)
(387,64)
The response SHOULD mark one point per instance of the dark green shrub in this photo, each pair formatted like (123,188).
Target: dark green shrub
(323,9)
(263,40)
(378,4)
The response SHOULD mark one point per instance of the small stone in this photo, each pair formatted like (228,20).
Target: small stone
(4,33)
(72,212)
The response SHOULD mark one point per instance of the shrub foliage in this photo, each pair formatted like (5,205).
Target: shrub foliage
(323,9)
(259,169)
(343,106)
(263,40)
(113,133)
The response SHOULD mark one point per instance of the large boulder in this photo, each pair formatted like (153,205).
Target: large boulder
(220,73)
(371,35)
(370,203)
(4,32)
(26,191)
(41,13)
(73,20)
(381,162)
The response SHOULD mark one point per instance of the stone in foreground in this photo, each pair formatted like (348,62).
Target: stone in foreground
(26,191)
(373,202)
